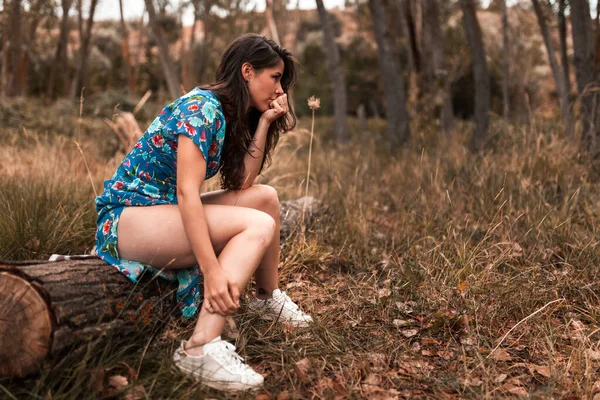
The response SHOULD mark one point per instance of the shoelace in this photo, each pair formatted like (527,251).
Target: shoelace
(225,353)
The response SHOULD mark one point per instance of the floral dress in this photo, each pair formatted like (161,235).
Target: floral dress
(147,177)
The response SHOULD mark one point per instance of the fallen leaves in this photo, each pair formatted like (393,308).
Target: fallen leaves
(500,355)
(302,369)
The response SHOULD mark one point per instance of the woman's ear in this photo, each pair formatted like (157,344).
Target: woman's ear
(247,71)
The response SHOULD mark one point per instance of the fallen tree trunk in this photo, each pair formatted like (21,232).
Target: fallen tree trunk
(49,307)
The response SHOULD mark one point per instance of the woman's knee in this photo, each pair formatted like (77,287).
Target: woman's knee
(268,199)
(261,226)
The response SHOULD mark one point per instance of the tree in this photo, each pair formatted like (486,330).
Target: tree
(336,72)
(505,63)
(562,33)
(169,72)
(434,77)
(559,77)
(398,128)
(480,73)
(84,49)
(586,73)
(125,53)
(269,15)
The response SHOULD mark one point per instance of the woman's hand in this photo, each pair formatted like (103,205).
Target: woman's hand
(278,108)
(221,294)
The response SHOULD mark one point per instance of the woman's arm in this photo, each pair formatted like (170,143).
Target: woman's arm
(223,294)
(253,159)
(256,152)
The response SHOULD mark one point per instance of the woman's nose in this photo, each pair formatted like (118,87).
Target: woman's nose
(279,89)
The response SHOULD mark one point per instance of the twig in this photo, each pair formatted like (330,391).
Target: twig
(519,323)
(312,129)
(87,168)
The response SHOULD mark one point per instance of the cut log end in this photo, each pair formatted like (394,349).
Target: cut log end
(25,326)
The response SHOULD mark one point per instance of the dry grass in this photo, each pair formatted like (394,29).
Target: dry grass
(417,268)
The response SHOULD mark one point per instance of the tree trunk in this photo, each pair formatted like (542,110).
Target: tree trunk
(47,308)
(336,74)
(480,73)
(4,75)
(398,128)
(434,78)
(586,73)
(163,53)
(412,35)
(505,63)
(559,77)
(126,54)
(564,58)
(60,58)
(15,48)
(80,72)
(269,15)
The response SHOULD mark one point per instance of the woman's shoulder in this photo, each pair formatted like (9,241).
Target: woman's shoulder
(200,97)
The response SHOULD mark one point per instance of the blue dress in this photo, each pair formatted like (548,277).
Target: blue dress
(147,177)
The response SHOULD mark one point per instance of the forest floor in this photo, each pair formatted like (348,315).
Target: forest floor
(433,274)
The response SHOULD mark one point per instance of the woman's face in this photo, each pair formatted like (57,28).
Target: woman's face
(264,85)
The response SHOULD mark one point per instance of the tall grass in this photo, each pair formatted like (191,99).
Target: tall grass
(416,268)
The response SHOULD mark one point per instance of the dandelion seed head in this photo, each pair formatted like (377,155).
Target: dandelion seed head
(314,103)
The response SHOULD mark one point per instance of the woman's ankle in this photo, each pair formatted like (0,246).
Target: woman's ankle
(197,340)
(264,294)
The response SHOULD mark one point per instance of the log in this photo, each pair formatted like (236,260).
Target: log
(47,308)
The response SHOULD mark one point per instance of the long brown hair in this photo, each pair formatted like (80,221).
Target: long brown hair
(242,120)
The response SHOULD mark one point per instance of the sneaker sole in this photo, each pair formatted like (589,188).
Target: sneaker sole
(298,324)
(224,386)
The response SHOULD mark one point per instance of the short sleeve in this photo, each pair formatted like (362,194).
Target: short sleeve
(197,118)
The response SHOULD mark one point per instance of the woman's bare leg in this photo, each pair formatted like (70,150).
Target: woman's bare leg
(156,236)
(263,198)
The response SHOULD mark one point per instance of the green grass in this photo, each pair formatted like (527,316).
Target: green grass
(415,269)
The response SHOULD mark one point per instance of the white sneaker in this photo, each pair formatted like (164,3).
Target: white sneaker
(220,367)
(280,307)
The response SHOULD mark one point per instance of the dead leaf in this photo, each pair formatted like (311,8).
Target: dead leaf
(407,307)
(283,395)
(427,353)
(593,354)
(540,369)
(408,333)
(515,250)
(302,367)
(262,396)
(118,381)
(415,347)
(400,322)
(596,387)
(372,379)
(500,378)
(136,393)
(292,285)
(500,355)
(596,396)
(519,391)
(385,292)
(468,341)
(463,287)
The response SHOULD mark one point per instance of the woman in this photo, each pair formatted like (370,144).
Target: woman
(152,205)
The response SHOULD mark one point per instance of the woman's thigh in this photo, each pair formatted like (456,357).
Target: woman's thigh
(259,197)
(155,235)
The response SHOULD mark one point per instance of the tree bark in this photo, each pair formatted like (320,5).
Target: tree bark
(60,58)
(126,54)
(505,63)
(562,32)
(586,73)
(559,77)
(480,73)
(80,73)
(412,34)
(4,75)
(47,308)
(163,52)
(336,74)
(15,48)
(398,128)
(269,15)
